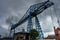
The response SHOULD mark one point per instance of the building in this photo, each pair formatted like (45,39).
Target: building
(46,39)
(57,33)
(51,37)
(21,35)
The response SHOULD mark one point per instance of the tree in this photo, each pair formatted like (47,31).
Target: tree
(33,34)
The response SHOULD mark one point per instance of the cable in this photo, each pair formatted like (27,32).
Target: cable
(51,17)
(56,15)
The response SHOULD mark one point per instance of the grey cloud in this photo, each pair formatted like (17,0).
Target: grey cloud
(19,7)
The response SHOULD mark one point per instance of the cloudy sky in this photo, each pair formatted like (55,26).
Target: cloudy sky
(17,8)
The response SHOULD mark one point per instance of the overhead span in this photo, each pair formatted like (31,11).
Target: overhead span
(34,10)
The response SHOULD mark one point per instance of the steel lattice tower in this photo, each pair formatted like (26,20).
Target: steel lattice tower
(38,27)
(29,26)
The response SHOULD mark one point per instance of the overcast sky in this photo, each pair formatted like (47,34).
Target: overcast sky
(18,8)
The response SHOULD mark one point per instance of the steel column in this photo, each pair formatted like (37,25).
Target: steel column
(38,27)
(29,26)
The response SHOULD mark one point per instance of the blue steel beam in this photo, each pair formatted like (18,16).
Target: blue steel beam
(34,10)
(30,25)
(38,27)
